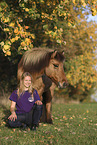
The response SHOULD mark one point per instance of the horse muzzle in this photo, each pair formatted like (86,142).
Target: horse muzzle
(62,85)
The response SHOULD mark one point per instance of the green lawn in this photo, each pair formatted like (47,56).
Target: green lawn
(73,124)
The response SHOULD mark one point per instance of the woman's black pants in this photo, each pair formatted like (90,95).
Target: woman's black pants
(30,118)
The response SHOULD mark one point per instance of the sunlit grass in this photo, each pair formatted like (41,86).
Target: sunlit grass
(73,124)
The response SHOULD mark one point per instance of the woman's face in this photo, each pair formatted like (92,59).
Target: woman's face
(27,82)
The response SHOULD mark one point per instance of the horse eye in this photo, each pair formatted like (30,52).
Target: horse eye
(55,65)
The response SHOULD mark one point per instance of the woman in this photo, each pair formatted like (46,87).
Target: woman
(27,103)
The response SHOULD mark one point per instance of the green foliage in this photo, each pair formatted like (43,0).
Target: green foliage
(73,124)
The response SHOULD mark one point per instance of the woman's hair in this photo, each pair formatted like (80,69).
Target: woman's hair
(21,84)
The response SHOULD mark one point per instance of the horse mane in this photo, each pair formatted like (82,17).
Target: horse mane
(35,60)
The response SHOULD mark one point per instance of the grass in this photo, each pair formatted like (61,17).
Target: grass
(73,124)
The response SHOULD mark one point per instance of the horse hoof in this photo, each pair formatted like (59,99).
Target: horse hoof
(50,121)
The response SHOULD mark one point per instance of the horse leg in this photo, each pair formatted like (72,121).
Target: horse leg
(47,98)
(48,113)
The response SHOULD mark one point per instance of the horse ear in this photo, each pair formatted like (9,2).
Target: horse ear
(54,54)
(63,52)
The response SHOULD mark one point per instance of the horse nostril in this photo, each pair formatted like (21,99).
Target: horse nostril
(65,84)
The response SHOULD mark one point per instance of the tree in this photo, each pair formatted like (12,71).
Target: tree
(33,23)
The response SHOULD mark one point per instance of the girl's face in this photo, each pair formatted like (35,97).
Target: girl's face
(27,82)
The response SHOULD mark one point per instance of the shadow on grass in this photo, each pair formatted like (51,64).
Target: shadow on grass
(6,113)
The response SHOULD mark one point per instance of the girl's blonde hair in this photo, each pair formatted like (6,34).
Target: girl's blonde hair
(21,87)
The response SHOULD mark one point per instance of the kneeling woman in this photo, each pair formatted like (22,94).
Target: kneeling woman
(27,103)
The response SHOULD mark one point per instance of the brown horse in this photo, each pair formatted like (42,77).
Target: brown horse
(46,68)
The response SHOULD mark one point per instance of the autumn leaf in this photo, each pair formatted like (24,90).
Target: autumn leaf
(23,44)
(6,20)
(12,24)
(8,53)
(44,124)
(6,47)
(16,30)
(26,9)
(12,40)
(26,27)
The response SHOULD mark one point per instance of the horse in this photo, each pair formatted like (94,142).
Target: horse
(46,68)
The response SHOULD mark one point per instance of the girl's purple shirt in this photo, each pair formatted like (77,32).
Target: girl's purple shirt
(22,104)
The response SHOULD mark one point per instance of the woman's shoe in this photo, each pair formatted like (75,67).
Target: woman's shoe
(33,127)
(23,127)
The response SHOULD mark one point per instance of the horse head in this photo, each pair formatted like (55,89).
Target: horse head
(55,70)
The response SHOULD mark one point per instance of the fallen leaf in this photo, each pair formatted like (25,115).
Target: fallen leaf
(56,117)
(14,129)
(73,132)
(44,124)
(51,136)
(64,117)
(71,118)
(61,120)
(6,138)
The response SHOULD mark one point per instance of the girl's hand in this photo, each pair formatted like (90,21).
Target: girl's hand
(13,116)
(38,102)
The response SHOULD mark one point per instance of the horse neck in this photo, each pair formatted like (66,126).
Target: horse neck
(37,75)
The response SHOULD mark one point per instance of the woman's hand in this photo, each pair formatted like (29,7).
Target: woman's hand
(38,102)
(13,116)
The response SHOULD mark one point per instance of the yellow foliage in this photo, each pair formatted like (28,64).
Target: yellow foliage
(42,1)
(2,43)
(6,47)
(48,3)
(25,48)
(69,24)
(16,38)
(43,20)
(84,4)
(27,40)
(73,1)
(26,27)
(59,41)
(26,9)
(22,34)
(68,76)
(8,53)
(94,11)
(64,14)
(12,40)
(18,24)
(16,30)
(6,20)
(12,24)
(6,29)
(33,36)
(55,27)
(27,43)
(23,44)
